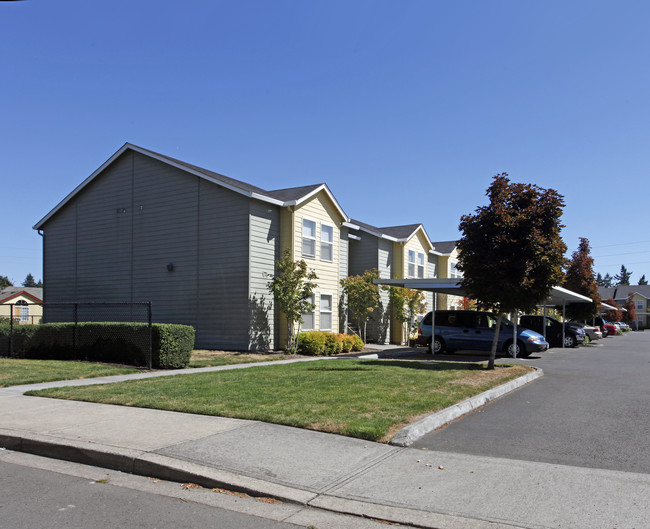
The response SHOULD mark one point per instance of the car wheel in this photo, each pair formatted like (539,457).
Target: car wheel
(438,345)
(569,341)
(518,348)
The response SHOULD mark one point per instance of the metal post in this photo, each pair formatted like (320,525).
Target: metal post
(11,329)
(75,313)
(563,320)
(433,320)
(544,324)
(514,334)
(150,359)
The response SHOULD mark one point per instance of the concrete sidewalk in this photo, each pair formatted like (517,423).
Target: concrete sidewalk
(403,485)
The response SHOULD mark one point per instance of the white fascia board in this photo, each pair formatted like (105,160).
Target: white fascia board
(150,154)
(354,237)
(320,188)
(350,225)
(380,235)
(424,232)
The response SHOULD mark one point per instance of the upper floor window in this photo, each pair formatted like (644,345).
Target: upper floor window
(639,304)
(420,265)
(308,238)
(453,271)
(411,263)
(326,242)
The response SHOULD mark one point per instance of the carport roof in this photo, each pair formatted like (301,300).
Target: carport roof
(558,295)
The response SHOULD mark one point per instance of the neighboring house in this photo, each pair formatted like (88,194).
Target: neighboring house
(448,259)
(621,293)
(199,245)
(396,252)
(23,303)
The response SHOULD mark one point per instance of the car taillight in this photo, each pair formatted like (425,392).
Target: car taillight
(419,331)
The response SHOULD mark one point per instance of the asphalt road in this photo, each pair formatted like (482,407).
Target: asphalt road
(591,409)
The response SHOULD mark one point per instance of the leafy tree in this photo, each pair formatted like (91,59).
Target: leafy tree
(362,298)
(467,304)
(623,277)
(5,282)
(580,278)
(613,314)
(511,253)
(293,288)
(407,304)
(643,280)
(606,281)
(29,281)
(629,315)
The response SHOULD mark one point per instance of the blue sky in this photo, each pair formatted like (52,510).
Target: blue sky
(405,109)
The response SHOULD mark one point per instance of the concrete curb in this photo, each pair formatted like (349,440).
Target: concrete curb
(411,433)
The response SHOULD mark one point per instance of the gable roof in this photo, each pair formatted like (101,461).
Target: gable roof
(281,197)
(622,291)
(392,233)
(8,293)
(444,247)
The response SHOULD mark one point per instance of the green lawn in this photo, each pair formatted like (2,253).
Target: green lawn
(365,399)
(204,358)
(14,372)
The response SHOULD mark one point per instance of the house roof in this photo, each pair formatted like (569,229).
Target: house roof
(392,233)
(444,247)
(8,293)
(282,197)
(622,291)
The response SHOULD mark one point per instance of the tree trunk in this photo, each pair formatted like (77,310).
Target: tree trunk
(495,341)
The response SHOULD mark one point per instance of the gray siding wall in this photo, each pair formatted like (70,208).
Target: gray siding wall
(344,253)
(114,240)
(264,250)
(363,254)
(381,317)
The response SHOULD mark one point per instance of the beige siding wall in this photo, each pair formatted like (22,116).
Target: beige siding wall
(322,211)
(33,313)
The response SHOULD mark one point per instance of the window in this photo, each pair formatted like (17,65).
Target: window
(22,309)
(453,271)
(639,304)
(326,243)
(420,265)
(308,318)
(326,312)
(308,238)
(411,267)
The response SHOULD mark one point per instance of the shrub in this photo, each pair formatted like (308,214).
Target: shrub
(311,343)
(121,343)
(357,343)
(332,344)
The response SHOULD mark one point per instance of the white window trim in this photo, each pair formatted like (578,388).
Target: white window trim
(302,237)
(409,263)
(322,224)
(321,311)
(313,315)
(423,265)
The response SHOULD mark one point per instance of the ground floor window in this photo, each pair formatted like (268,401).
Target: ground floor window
(308,318)
(22,310)
(326,312)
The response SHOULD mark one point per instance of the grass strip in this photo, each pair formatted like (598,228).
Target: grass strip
(15,372)
(207,358)
(364,399)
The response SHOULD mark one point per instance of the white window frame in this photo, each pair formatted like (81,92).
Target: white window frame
(411,266)
(325,243)
(330,311)
(313,316)
(421,267)
(304,237)
(640,304)
(453,271)
(24,310)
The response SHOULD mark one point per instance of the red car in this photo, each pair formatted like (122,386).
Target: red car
(611,329)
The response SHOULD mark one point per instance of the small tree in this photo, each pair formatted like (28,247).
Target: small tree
(362,298)
(580,278)
(511,253)
(29,281)
(629,315)
(293,288)
(613,314)
(623,277)
(467,304)
(643,280)
(407,304)
(5,282)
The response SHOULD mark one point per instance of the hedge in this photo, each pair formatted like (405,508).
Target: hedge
(120,343)
(319,343)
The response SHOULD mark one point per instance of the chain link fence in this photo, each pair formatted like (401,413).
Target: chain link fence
(79,336)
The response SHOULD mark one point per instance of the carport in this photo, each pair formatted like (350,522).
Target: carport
(558,296)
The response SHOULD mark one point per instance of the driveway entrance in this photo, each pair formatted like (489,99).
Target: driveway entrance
(591,409)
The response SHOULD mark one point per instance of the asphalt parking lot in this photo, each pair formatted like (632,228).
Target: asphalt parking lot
(591,409)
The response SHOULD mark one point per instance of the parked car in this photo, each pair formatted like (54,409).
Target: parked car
(591,332)
(466,329)
(554,331)
(602,325)
(612,330)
